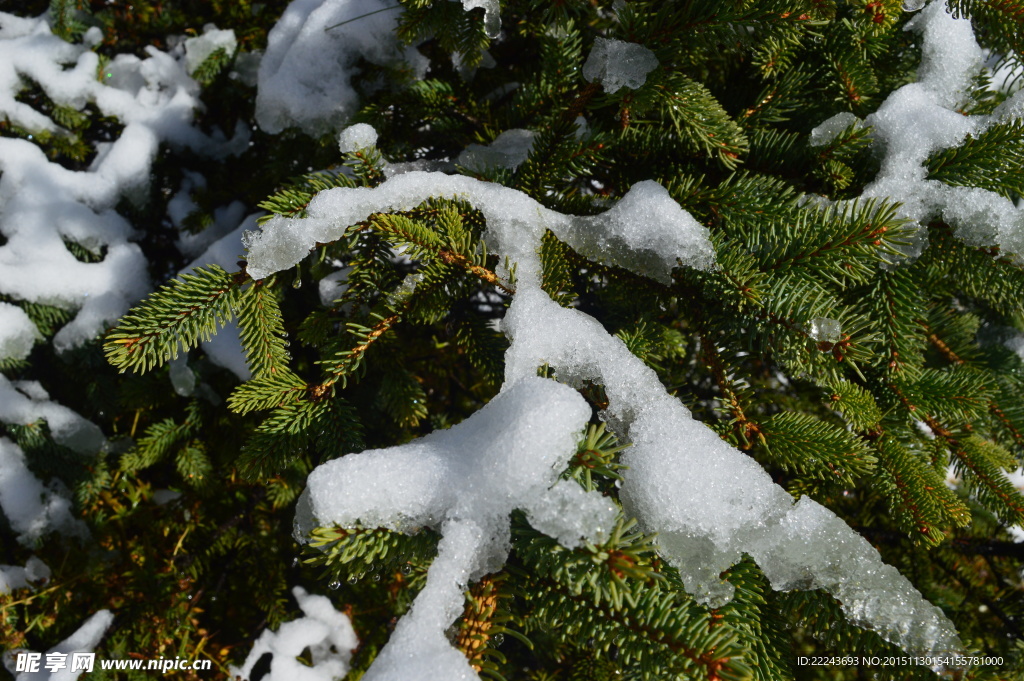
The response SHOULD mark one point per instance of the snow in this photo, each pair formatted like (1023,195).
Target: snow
(327,633)
(43,203)
(923,118)
(708,502)
(17,332)
(617,64)
(418,649)
(181,205)
(356,137)
(646,230)
(32,509)
(830,129)
(83,640)
(465,481)
(25,402)
(199,49)
(492,19)
(13,577)
(333,286)
(305,75)
(510,149)
(182,378)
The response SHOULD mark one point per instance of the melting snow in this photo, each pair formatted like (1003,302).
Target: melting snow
(619,64)
(709,502)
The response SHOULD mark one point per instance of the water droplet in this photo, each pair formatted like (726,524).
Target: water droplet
(297,283)
(498,639)
(373,567)
(352,579)
(912,5)
(406,569)
(376,578)
(334,585)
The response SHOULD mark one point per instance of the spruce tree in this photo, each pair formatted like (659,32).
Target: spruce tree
(796,221)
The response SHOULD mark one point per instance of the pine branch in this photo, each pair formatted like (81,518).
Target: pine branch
(992,160)
(261,329)
(178,316)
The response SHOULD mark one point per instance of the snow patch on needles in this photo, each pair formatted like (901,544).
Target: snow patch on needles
(492,18)
(619,64)
(708,501)
(646,232)
(17,332)
(510,149)
(465,481)
(327,633)
(305,76)
(920,119)
(43,204)
(32,509)
(356,137)
(199,48)
(84,640)
(25,402)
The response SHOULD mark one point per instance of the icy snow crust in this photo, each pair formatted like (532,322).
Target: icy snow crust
(709,502)
(326,632)
(617,64)
(510,149)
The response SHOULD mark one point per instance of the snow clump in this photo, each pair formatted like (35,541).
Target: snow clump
(921,119)
(14,577)
(83,640)
(17,332)
(199,49)
(305,76)
(356,137)
(619,64)
(510,150)
(32,509)
(327,633)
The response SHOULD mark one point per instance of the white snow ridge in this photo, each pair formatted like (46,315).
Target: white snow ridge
(708,501)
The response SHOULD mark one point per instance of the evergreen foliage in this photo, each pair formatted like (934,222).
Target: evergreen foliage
(920,384)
